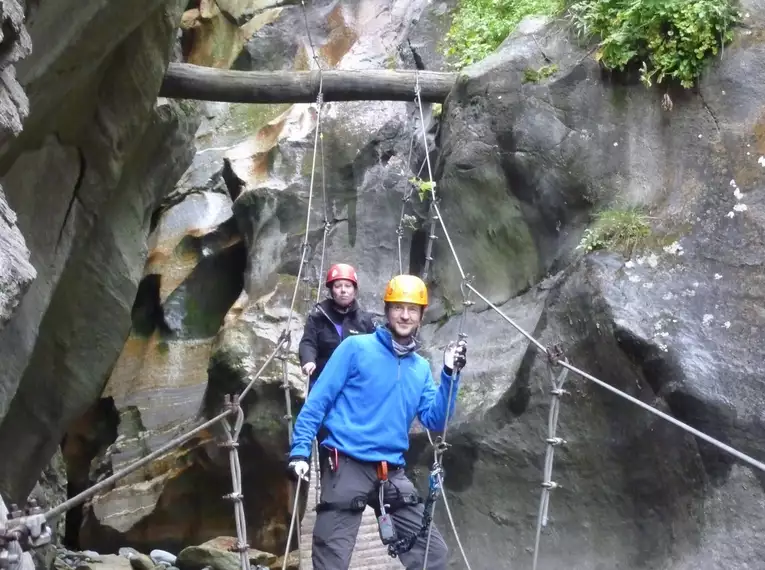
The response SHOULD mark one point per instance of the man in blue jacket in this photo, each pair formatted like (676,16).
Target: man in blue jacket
(367,396)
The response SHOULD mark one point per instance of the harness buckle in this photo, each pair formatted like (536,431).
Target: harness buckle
(358,503)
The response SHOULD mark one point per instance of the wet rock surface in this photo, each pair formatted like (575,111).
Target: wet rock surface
(521,167)
(88,239)
(245,194)
(673,324)
(16,272)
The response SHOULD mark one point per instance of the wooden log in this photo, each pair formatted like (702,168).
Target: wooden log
(187,81)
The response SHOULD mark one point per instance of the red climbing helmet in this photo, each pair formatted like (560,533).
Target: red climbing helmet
(341,271)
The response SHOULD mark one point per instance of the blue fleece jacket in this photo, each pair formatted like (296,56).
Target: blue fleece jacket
(367,397)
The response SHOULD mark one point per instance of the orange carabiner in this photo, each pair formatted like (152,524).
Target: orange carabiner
(382,471)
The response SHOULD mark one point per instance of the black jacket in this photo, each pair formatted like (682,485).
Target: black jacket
(320,338)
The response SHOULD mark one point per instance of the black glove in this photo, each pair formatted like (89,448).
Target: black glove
(455,356)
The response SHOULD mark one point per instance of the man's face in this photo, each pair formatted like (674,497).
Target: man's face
(404,318)
(343,292)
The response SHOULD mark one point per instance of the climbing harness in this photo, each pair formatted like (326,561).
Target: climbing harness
(383,508)
(374,497)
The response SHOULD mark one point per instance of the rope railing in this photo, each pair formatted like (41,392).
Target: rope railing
(317,138)
(440,445)
(556,391)
(80,498)
(555,359)
(236,496)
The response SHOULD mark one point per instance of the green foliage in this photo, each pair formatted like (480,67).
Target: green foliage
(534,75)
(617,230)
(665,38)
(422,187)
(479,26)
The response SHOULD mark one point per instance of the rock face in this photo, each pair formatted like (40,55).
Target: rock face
(193,275)
(97,134)
(16,273)
(231,235)
(677,325)
(522,167)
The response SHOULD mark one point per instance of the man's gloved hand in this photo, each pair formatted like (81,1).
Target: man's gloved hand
(455,356)
(299,467)
(308,368)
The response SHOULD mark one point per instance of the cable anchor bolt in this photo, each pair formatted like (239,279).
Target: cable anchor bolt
(551,485)
(239,547)
(555,354)
(556,441)
(235,497)
(440,445)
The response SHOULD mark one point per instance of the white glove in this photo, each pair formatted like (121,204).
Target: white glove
(300,468)
(455,356)
(308,368)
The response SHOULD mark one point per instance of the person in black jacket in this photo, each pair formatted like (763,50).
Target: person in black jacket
(332,320)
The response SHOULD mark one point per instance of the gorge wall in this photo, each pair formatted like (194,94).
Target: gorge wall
(161,277)
(96,154)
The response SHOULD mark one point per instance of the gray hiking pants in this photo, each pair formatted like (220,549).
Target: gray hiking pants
(334,535)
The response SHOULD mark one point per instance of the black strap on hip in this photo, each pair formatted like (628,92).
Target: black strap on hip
(359,503)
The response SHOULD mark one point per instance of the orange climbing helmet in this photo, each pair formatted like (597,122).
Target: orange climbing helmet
(341,271)
(406,289)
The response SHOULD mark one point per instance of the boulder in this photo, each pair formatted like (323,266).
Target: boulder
(105,562)
(141,562)
(163,557)
(293,562)
(215,553)
(673,322)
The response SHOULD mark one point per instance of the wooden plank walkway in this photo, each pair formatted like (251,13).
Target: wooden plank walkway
(369,554)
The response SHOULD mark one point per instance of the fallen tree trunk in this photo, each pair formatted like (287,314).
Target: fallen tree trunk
(187,81)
